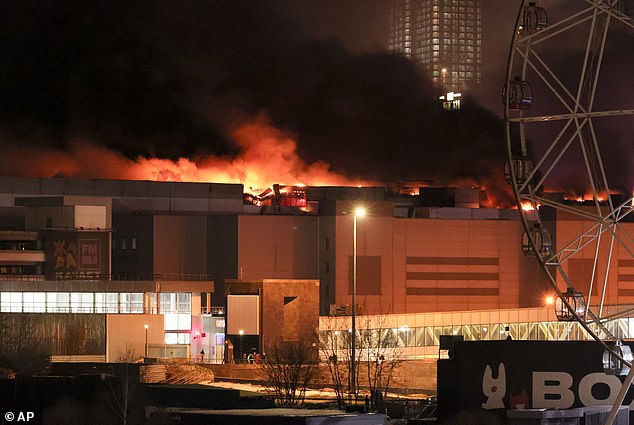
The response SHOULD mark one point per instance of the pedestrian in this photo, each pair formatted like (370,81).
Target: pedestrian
(202,355)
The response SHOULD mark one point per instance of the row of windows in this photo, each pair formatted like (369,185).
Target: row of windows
(451,49)
(176,302)
(20,269)
(449,35)
(425,56)
(177,337)
(452,41)
(430,335)
(457,75)
(89,302)
(468,27)
(71,302)
(175,307)
(20,245)
(124,243)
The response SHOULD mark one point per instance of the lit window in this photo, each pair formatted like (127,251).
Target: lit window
(57,302)
(11,302)
(34,302)
(81,302)
(106,302)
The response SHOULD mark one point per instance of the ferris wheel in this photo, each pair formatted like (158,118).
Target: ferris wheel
(569,116)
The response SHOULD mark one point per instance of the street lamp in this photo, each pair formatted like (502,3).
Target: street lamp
(146,326)
(241,332)
(358,212)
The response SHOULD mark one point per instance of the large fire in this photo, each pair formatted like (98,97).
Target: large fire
(267,156)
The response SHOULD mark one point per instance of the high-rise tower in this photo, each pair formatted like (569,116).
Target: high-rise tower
(443,37)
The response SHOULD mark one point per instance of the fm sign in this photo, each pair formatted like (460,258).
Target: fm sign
(549,390)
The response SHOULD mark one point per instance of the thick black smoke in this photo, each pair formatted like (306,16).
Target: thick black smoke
(167,79)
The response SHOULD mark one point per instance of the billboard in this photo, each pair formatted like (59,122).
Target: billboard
(509,375)
(77,255)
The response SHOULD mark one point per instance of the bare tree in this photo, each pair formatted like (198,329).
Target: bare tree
(289,368)
(120,388)
(332,344)
(382,353)
(20,349)
(377,352)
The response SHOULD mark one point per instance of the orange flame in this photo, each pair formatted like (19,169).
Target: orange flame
(268,156)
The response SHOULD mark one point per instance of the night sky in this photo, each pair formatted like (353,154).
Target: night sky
(172,79)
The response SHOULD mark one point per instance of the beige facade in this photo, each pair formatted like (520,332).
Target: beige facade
(289,310)
(126,335)
(276,246)
(427,265)
(620,267)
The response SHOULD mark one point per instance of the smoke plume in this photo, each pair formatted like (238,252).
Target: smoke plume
(166,90)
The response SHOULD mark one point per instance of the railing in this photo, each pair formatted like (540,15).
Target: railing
(22,278)
(159,276)
(133,277)
(213,310)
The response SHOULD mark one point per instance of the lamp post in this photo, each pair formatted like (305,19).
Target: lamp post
(146,326)
(358,212)
(241,332)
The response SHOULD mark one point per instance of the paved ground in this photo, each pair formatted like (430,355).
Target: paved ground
(325,393)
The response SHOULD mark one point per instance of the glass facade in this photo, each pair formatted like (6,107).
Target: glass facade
(176,307)
(429,336)
(71,302)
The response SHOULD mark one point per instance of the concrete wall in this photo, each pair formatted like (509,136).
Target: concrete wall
(435,265)
(620,268)
(289,309)
(126,335)
(130,195)
(180,245)
(277,247)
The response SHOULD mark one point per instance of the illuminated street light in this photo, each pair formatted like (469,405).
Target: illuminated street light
(146,326)
(358,212)
(241,332)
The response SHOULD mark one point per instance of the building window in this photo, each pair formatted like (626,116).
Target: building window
(106,302)
(177,308)
(177,338)
(58,302)
(34,302)
(81,302)
(131,303)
